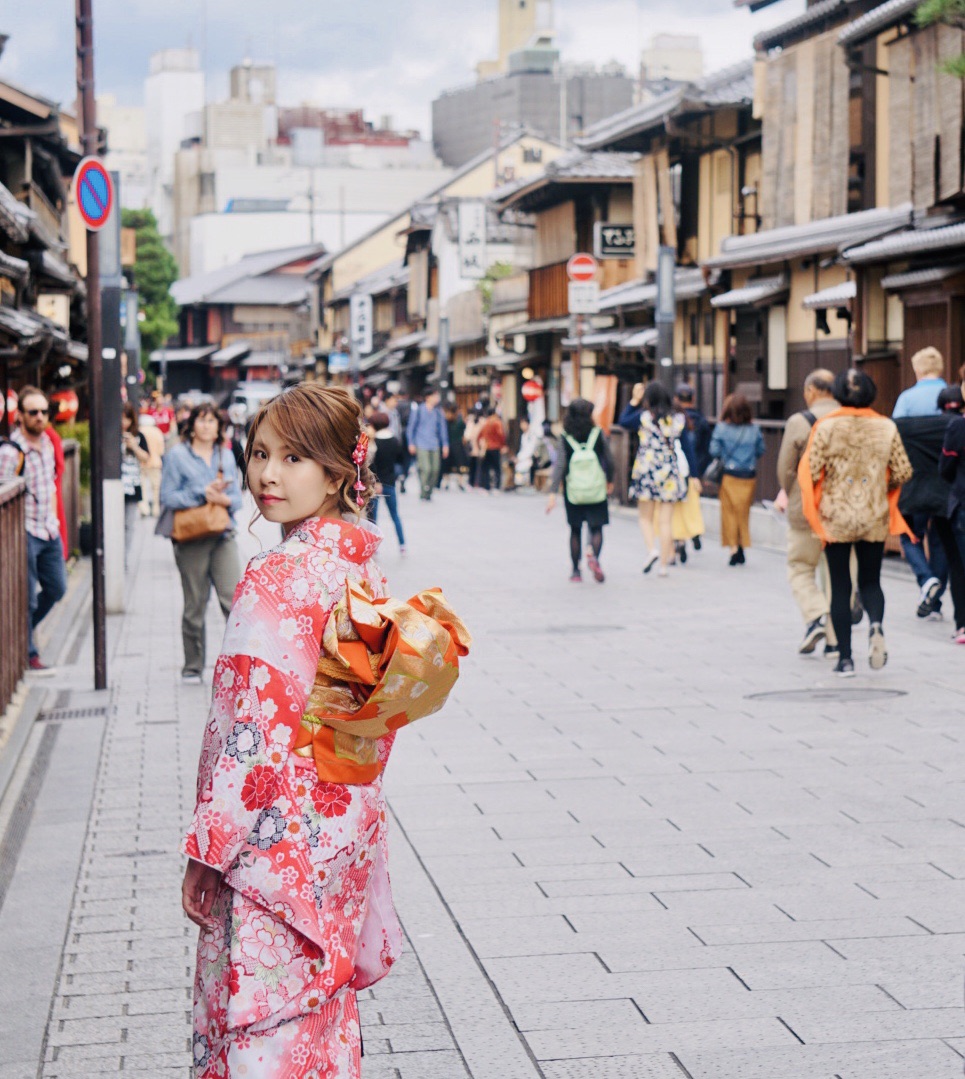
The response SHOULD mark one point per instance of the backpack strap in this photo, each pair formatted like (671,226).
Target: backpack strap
(810,417)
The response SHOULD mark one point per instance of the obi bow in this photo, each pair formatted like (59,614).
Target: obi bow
(384,663)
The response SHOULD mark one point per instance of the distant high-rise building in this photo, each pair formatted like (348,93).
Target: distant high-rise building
(126,127)
(670,59)
(173,103)
(520,23)
(537,94)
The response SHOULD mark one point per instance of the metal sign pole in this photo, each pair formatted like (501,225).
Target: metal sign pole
(85,93)
(665,315)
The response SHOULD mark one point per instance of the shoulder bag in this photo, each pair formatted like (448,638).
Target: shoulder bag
(714,472)
(201,522)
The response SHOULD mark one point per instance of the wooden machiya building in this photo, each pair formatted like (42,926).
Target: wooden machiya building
(858,255)
(576,195)
(698,156)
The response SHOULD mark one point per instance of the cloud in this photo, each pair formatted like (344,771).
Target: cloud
(388,57)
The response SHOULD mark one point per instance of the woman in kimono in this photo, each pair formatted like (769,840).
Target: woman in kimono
(287,873)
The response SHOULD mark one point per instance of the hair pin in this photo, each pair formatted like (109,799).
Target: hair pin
(359,456)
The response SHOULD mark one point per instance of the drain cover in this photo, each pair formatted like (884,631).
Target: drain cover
(832,693)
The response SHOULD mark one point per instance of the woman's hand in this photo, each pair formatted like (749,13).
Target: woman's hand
(551,503)
(200,886)
(214,493)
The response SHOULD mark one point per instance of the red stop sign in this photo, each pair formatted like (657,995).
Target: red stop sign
(532,389)
(581,267)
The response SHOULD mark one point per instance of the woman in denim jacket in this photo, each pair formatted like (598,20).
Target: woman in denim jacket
(740,445)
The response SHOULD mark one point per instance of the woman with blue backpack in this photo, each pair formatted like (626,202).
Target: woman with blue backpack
(584,468)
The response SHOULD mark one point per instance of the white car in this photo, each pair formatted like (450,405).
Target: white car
(252,395)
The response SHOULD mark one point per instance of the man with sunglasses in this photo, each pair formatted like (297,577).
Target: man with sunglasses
(46,570)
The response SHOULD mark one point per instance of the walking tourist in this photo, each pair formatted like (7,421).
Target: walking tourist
(584,468)
(926,498)
(199,472)
(428,440)
(474,450)
(688,518)
(657,480)
(287,875)
(850,477)
(151,471)
(492,442)
(29,453)
(454,467)
(134,456)
(805,554)
(385,465)
(928,566)
(739,444)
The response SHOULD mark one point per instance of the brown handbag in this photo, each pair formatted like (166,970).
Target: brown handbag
(201,522)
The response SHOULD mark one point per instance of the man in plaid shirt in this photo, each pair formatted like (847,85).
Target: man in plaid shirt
(46,571)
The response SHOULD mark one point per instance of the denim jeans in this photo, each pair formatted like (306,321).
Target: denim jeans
(935,564)
(391,498)
(47,572)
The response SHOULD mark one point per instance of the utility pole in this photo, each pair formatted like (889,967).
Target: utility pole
(665,314)
(88,110)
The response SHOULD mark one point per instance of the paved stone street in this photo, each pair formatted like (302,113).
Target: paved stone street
(614,855)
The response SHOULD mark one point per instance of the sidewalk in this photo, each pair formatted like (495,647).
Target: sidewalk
(613,857)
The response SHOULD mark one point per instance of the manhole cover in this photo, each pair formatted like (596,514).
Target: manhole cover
(840,696)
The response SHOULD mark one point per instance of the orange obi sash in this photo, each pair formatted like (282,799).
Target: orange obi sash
(811,491)
(384,663)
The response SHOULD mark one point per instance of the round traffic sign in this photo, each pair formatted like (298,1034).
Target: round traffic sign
(532,389)
(581,267)
(94,192)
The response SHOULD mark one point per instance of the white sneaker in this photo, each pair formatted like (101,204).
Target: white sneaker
(651,561)
(877,650)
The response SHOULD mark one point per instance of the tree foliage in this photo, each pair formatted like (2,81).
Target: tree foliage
(950,13)
(497,272)
(155,270)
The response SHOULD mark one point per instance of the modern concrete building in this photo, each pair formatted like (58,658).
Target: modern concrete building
(535,94)
(173,103)
(520,23)
(126,127)
(671,58)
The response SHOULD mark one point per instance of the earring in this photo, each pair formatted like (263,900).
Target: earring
(359,455)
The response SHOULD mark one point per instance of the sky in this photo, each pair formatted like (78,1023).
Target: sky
(389,57)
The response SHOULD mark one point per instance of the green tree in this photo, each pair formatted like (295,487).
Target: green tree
(496,272)
(155,270)
(951,13)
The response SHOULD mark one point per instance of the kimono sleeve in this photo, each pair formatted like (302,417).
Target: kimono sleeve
(261,685)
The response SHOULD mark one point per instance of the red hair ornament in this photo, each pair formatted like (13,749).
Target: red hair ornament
(359,456)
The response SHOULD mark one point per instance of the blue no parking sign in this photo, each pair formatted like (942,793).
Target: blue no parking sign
(94,192)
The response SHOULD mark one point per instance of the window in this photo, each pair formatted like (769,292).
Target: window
(694,334)
(532,155)
(708,327)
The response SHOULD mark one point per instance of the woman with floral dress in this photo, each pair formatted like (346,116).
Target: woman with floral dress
(657,480)
(287,849)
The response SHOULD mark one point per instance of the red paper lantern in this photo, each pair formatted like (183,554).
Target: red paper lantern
(65,405)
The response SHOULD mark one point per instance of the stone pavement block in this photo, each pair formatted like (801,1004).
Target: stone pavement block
(839,929)
(444,1064)
(883,1026)
(926,993)
(655,1066)
(102,1005)
(641,1038)
(574,1014)
(888,1060)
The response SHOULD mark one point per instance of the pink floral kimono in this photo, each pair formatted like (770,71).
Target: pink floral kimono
(305,914)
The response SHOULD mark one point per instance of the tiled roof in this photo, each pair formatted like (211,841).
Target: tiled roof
(754,292)
(572,167)
(929,275)
(268,290)
(200,287)
(14,219)
(732,85)
(794,241)
(375,283)
(910,242)
(835,296)
(876,20)
(803,25)
(640,340)
(597,339)
(689,283)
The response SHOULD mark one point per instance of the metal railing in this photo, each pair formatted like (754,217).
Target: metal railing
(14,605)
(71,489)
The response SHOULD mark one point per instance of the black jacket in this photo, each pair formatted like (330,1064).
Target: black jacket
(952,463)
(928,491)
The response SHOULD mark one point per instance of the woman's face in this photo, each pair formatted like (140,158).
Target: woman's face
(205,428)
(288,488)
